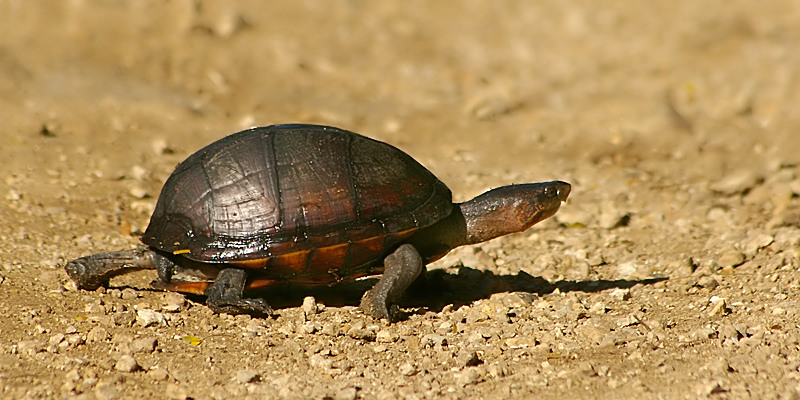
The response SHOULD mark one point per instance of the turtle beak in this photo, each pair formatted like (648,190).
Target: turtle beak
(562,190)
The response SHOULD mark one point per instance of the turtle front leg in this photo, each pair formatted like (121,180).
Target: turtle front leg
(93,271)
(225,295)
(401,268)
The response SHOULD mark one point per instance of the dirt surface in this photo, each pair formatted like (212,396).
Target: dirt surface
(672,272)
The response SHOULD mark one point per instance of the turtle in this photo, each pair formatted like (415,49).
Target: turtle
(301,204)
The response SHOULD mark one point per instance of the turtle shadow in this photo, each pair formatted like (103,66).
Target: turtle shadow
(439,288)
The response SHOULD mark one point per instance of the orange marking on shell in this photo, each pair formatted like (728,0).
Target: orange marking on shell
(261,283)
(325,258)
(291,263)
(198,288)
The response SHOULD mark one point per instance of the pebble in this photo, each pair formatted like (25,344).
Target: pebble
(106,391)
(158,374)
(309,305)
(29,347)
(386,336)
(731,258)
(143,345)
(756,241)
(432,340)
(175,392)
(736,182)
(707,282)
(245,376)
(146,317)
(407,369)
(520,342)
(620,294)
(468,376)
(129,294)
(124,318)
(173,302)
(719,306)
(126,363)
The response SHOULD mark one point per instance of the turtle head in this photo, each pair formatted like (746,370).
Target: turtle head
(511,209)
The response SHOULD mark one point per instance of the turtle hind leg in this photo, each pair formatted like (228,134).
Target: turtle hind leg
(401,268)
(93,271)
(225,295)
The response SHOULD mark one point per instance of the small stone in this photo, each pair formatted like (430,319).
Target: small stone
(173,302)
(29,347)
(627,269)
(158,374)
(707,282)
(520,342)
(467,376)
(126,363)
(124,318)
(143,345)
(129,294)
(756,241)
(719,306)
(106,391)
(320,361)
(97,334)
(346,394)
(146,318)
(469,359)
(736,182)
(245,376)
(407,369)
(731,258)
(387,336)
(432,340)
(310,305)
(621,294)
(308,328)
(175,392)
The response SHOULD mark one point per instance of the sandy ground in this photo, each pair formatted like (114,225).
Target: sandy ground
(671,273)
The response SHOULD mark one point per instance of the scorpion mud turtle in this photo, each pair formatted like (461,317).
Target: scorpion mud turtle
(309,205)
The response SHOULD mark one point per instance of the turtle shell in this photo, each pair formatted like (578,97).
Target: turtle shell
(307,203)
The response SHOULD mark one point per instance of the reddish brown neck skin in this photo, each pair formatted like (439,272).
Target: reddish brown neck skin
(498,212)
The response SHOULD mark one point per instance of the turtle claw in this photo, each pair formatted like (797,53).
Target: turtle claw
(225,295)
(254,307)
(372,305)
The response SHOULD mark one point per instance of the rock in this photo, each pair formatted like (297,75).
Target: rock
(173,302)
(158,374)
(756,241)
(407,369)
(126,363)
(129,294)
(707,282)
(106,391)
(143,345)
(245,376)
(387,336)
(621,294)
(468,376)
(146,317)
(469,359)
(175,392)
(521,342)
(310,306)
(346,394)
(736,182)
(124,318)
(432,340)
(731,258)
